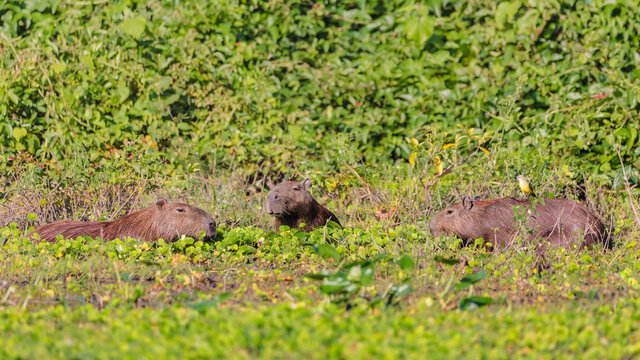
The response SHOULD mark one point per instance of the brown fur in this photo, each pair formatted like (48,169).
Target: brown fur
(560,221)
(165,219)
(291,204)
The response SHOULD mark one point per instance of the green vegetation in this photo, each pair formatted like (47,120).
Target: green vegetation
(262,85)
(392,108)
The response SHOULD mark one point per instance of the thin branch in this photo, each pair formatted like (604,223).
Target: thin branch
(450,168)
(335,16)
(366,186)
(626,183)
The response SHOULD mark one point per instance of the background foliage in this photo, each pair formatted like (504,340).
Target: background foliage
(265,85)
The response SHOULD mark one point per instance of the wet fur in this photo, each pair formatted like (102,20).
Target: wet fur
(560,221)
(291,204)
(161,220)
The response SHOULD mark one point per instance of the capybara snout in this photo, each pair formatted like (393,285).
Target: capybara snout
(274,206)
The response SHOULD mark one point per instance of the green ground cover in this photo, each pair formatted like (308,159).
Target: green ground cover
(394,109)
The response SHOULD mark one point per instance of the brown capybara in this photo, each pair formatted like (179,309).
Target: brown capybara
(291,204)
(165,219)
(560,221)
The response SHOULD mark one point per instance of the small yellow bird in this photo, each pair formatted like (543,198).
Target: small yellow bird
(525,187)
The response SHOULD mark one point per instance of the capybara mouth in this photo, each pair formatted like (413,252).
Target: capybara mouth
(209,238)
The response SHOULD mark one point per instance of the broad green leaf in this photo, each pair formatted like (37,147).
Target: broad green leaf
(87,60)
(327,251)
(448,261)
(134,26)
(528,22)
(506,11)
(123,90)
(354,273)
(471,279)
(366,276)
(319,276)
(33,143)
(332,286)
(19,133)
(58,67)
(406,263)
(419,27)
(473,302)
(403,290)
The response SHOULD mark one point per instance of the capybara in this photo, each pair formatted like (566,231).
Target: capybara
(291,204)
(560,221)
(165,219)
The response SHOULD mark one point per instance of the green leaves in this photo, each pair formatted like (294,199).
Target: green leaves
(473,302)
(123,91)
(506,11)
(19,133)
(448,261)
(204,305)
(87,61)
(162,296)
(406,262)
(469,280)
(528,22)
(261,87)
(327,252)
(134,26)
(350,280)
(419,26)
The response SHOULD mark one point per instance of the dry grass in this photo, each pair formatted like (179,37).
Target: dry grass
(385,197)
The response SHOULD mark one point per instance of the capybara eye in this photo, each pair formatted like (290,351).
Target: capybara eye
(180,210)
(296,188)
(449,212)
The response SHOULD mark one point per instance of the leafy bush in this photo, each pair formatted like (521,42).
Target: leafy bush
(267,84)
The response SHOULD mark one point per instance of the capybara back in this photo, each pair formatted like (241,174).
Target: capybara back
(165,219)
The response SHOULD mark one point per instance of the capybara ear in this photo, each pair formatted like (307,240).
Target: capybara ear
(162,202)
(269,184)
(467,203)
(306,184)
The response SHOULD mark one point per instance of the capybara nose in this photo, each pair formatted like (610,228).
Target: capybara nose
(212,226)
(432,228)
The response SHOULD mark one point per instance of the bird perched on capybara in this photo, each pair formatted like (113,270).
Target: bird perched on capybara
(560,221)
(291,204)
(165,219)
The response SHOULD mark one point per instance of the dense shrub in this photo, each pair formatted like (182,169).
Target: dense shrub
(263,84)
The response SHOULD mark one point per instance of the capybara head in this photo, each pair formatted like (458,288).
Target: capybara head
(170,220)
(289,198)
(459,219)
